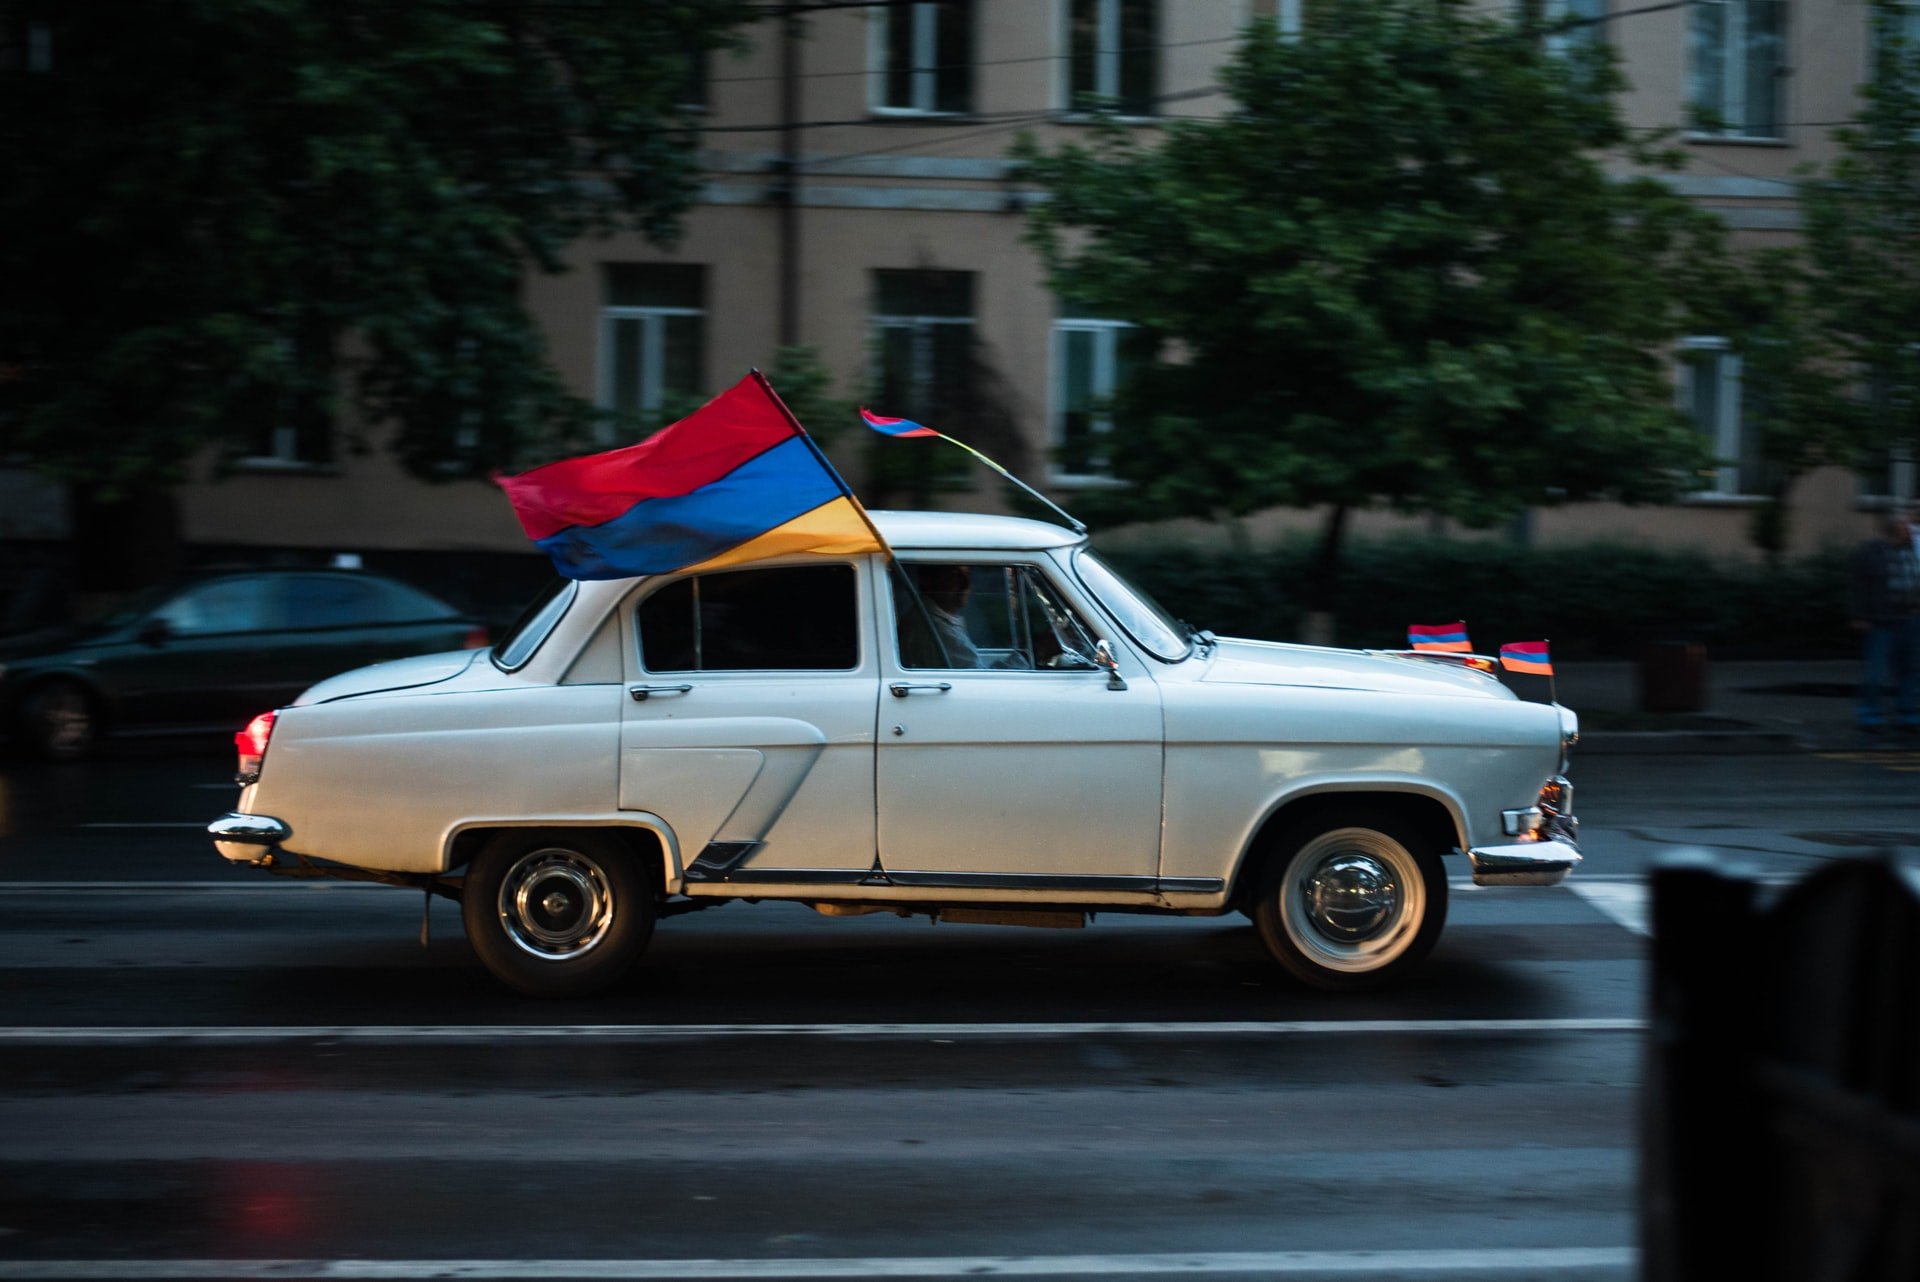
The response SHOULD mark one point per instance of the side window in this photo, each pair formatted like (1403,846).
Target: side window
(330,601)
(1009,617)
(225,605)
(792,618)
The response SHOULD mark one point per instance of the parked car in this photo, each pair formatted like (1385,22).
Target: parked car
(813,729)
(212,651)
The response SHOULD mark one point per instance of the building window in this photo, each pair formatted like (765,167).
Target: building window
(1892,474)
(1091,361)
(1737,57)
(923,351)
(1893,40)
(1570,24)
(652,339)
(923,57)
(1114,56)
(293,419)
(1711,393)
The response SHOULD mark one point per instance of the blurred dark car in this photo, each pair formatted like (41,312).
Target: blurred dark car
(212,652)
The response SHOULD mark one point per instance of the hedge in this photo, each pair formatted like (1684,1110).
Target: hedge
(1591,602)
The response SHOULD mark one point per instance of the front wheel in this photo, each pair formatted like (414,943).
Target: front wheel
(557,914)
(1351,902)
(58,721)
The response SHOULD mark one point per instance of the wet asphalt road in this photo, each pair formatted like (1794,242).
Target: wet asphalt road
(205,1069)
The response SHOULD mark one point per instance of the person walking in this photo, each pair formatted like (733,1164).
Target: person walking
(1883,603)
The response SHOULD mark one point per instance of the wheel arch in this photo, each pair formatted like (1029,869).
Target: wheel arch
(1434,814)
(647,836)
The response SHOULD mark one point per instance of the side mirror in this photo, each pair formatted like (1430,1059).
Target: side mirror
(155,632)
(1103,655)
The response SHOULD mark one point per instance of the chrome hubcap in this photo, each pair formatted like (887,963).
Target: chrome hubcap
(1351,896)
(1353,900)
(556,904)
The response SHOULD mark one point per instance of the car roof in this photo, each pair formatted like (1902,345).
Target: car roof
(925,531)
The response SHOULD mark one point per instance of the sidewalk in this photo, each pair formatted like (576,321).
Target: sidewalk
(1751,706)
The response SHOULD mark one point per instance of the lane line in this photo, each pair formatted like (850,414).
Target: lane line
(1629,904)
(1531,1261)
(403,1033)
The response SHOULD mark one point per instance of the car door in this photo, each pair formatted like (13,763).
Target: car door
(1018,765)
(748,720)
(207,654)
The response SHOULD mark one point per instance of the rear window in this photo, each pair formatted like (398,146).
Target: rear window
(342,600)
(785,619)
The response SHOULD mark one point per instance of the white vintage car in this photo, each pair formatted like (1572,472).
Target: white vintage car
(1019,737)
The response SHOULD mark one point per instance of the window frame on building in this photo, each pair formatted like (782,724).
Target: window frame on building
(1900,461)
(1727,113)
(1109,94)
(1729,431)
(1103,382)
(654,383)
(929,58)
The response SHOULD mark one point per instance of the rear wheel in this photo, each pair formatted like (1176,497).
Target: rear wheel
(557,914)
(1351,901)
(59,721)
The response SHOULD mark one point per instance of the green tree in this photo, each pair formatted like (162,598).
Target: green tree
(225,218)
(1862,220)
(1395,271)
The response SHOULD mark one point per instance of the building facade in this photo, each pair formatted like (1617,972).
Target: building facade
(859,200)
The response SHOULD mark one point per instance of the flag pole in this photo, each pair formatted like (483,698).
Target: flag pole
(821,457)
(1078,528)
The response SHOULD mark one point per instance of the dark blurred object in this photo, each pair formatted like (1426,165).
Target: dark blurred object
(212,651)
(1782,1133)
(1673,676)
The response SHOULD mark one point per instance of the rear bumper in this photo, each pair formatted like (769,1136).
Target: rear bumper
(247,839)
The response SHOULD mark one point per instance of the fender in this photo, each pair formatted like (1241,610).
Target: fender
(672,871)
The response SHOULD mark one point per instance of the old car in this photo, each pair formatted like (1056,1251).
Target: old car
(989,725)
(212,649)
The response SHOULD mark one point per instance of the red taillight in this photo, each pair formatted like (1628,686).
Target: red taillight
(477,638)
(252,743)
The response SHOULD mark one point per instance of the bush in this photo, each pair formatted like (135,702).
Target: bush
(1596,601)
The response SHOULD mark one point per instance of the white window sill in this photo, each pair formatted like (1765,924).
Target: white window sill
(1736,140)
(1714,499)
(1085,481)
(284,467)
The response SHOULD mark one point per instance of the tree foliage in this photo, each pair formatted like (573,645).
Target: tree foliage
(223,217)
(1395,271)
(1862,222)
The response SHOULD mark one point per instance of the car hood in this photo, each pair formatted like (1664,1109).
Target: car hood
(395,674)
(1271,663)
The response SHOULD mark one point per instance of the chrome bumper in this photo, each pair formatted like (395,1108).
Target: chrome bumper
(247,839)
(1527,863)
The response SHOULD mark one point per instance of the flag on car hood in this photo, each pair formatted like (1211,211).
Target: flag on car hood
(737,480)
(1526,656)
(1439,636)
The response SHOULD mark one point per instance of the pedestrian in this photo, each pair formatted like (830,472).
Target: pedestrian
(1883,603)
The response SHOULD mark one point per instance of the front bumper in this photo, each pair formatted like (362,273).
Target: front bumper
(247,839)
(1549,845)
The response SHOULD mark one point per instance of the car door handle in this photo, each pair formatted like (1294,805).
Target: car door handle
(902,689)
(642,693)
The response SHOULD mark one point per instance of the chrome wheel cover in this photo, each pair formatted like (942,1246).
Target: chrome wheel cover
(1353,900)
(556,904)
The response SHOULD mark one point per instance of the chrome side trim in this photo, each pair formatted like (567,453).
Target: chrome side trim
(719,859)
(1526,863)
(255,830)
(1022,881)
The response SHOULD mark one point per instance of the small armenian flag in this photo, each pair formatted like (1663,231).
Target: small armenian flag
(1526,656)
(1439,636)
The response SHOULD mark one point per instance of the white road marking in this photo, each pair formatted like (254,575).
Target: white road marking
(1628,903)
(396,1033)
(1495,1260)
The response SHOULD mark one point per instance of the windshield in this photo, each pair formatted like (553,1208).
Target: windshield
(1150,626)
(534,623)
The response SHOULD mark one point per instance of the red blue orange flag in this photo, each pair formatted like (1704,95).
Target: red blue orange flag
(1439,636)
(1526,656)
(736,480)
(902,427)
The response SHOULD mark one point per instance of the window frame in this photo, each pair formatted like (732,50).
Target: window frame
(653,319)
(1029,575)
(1109,60)
(927,60)
(1732,106)
(1728,434)
(1102,382)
